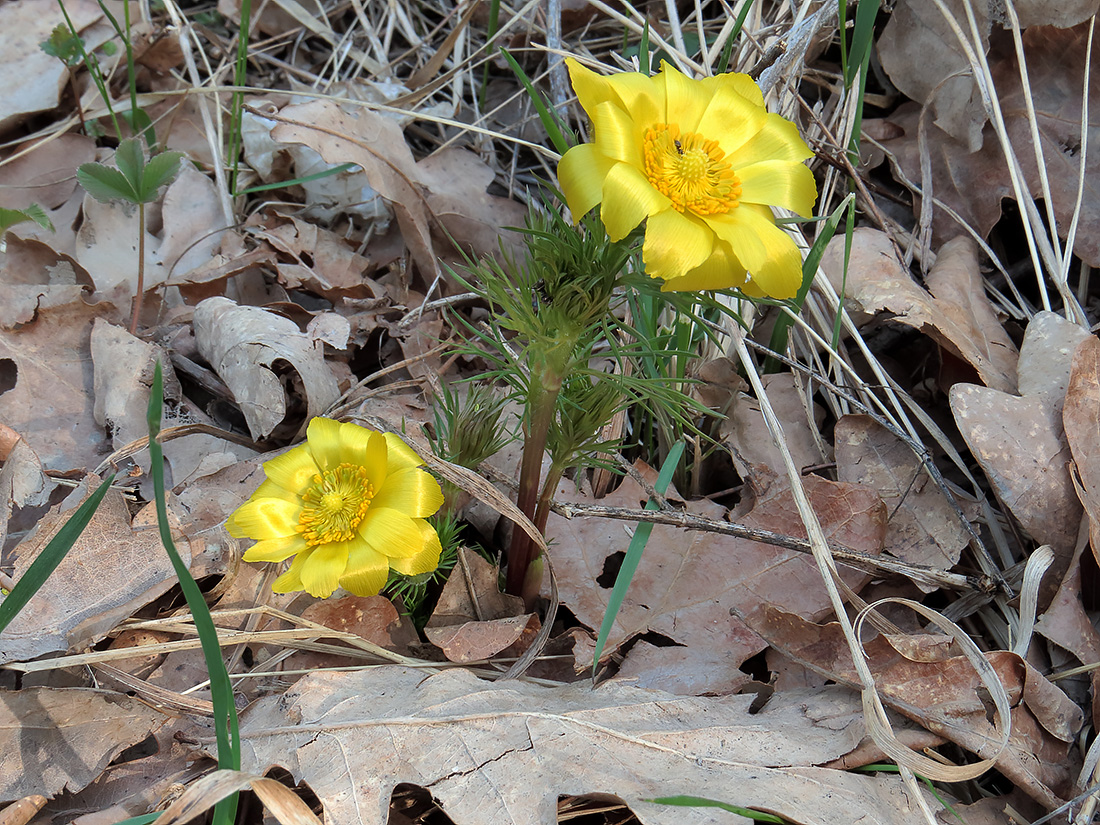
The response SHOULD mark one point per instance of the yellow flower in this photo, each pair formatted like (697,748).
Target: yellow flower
(349,504)
(702,162)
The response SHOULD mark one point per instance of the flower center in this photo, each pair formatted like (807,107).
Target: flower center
(335,504)
(690,170)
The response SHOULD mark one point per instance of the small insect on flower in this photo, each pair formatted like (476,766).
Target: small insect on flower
(702,162)
(349,504)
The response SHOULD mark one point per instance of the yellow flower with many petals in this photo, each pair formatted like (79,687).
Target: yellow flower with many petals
(349,504)
(702,162)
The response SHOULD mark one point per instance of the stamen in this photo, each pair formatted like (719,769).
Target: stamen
(335,504)
(690,170)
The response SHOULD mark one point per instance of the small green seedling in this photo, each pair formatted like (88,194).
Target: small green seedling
(136,182)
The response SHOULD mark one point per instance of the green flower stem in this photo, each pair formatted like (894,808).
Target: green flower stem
(542,402)
(532,580)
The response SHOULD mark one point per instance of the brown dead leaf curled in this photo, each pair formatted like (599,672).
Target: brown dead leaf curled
(973,183)
(242,343)
(114,568)
(687,584)
(923,527)
(1020,443)
(942,695)
(61,739)
(954,311)
(924,59)
(377,145)
(473,620)
(1081,417)
(50,405)
(504,752)
(41,76)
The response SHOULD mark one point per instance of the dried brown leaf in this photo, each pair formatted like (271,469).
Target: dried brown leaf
(242,343)
(923,527)
(114,568)
(954,311)
(504,752)
(61,739)
(944,697)
(1082,425)
(687,585)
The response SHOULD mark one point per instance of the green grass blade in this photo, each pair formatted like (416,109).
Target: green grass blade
(283,184)
(240,76)
(701,802)
(780,332)
(643,50)
(727,50)
(144,819)
(634,554)
(226,728)
(549,119)
(862,35)
(55,550)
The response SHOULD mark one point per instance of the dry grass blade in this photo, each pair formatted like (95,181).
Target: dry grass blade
(205,793)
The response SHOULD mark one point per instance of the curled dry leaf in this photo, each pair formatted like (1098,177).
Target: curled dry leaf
(114,568)
(1081,419)
(1019,440)
(954,311)
(50,405)
(746,434)
(242,343)
(973,182)
(924,59)
(504,752)
(923,527)
(314,257)
(40,76)
(377,145)
(76,734)
(473,620)
(686,585)
(943,696)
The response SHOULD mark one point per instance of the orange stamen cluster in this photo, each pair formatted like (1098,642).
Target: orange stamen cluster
(335,504)
(690,171)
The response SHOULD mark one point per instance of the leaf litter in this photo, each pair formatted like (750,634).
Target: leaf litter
(320,295)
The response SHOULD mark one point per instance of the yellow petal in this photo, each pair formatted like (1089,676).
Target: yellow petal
(367,570)
(321,572)
(580,175)
(411,491)
(323,437)
(740,83)
(639,96)
(592,89)
(628,199)
(264,518)
(617,135)
(364,448)
(269,489)
(275,549)
(293,470)
(685,99)
(721,270)
(779,183)
(731,119)
(767,252)
(400,455)
(291,580)
(675,243)
(390,532)
(427,559)
(778,139)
